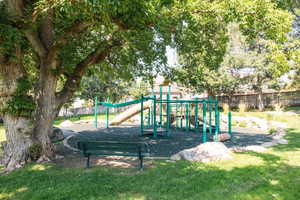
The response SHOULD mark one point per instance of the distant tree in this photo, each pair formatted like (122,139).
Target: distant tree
(108,88)
(140,88)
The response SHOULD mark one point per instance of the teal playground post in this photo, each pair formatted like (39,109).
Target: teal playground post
(160,105)
(142,115)
(187,117)
(204,122)
(182,108)
(196,114)
(96,113)
(230,124)
(154,117)
(210,115)
(107,115)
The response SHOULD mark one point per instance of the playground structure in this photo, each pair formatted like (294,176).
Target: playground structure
(159,115)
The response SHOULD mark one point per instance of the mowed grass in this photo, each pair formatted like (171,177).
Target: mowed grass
(274,174)
(83,117)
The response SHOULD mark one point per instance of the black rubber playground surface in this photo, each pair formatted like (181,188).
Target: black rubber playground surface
(163,146)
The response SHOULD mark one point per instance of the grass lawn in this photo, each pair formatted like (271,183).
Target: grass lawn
(274,174)
(83,117)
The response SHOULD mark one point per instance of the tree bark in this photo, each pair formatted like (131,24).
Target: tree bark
(260,102)
(18,129)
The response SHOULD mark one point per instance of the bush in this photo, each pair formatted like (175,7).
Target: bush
(234,123)
(243,124)
(272,130)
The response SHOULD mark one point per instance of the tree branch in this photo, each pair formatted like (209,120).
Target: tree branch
(36,43)
(95,57)
(75,31)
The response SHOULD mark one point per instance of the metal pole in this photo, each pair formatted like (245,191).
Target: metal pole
(210,115)
(229,124)
(142,115)
(168,114)
(216,122)
(160,105)
(204,139)
(187,117)
(154,117)
(107,116)
(176,116)
(96,113)
(181,114)
(149,116)
(196,115)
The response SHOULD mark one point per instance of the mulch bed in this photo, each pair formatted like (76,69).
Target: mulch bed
(163,146)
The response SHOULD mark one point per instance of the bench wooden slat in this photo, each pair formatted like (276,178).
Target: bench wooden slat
(136,149)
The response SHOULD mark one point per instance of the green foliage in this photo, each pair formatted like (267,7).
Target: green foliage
(211,64)
(140,88)
(243,124)
(20,103)
(272,130)
(35,151)
(105,86)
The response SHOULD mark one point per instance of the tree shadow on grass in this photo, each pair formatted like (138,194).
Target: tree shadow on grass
(293,137)
(271,179)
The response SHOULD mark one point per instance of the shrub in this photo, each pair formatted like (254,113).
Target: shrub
(243,124)
(272,130)
(234,123)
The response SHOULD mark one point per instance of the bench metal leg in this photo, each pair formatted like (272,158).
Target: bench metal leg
(88,161)
(141,163)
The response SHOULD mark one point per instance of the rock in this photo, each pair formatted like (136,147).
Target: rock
(256,148)
(237,149)
(281,141)
(269,144)
(58,157)
(222,137)
(43,159)
(209,151)
(57,135)
(66,123)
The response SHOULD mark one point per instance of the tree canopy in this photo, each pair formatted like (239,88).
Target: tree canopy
(51,45)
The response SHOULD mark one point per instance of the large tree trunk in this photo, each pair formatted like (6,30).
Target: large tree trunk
(260,101)
(19,140)
(28,136)
(18,129)
(46,112)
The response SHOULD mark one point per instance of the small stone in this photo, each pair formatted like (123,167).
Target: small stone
(43,159)
(59,157)
(256,148)
(207,152)
(66,123)
(281,141)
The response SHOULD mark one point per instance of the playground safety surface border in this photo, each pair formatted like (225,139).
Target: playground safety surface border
(162,146)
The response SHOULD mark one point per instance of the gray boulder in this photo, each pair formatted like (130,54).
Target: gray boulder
(207,152)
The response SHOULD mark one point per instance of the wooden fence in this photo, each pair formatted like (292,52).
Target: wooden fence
(270,99)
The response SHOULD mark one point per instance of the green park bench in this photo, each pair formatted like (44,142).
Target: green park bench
(108,148)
